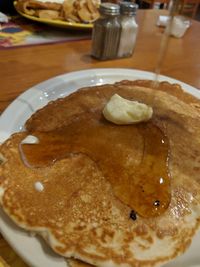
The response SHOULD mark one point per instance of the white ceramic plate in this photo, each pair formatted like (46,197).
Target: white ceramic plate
(32,249)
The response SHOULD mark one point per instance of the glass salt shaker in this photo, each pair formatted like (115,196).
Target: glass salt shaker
(106,32)
(129,29)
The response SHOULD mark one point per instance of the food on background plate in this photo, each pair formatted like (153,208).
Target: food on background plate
(103,193)
(85,11)
(81,11)
(48,14)
(30,7)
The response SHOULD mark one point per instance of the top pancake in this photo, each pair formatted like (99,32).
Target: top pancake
(77,212)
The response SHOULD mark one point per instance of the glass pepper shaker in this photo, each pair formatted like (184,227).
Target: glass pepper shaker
(106,32)
(129,29)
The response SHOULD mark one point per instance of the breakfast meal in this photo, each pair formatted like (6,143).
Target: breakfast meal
(80,11)
(108,175)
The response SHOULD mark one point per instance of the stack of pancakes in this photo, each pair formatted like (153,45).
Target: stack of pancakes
(76,208)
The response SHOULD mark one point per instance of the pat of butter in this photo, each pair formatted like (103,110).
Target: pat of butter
(123,111)
(30,139)
(39,186)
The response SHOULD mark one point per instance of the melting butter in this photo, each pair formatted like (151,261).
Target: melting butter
(39,186)
(30,139)
(123,111)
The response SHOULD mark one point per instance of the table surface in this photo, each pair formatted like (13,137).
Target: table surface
(21,68)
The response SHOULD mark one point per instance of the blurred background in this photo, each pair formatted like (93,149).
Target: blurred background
(190,8)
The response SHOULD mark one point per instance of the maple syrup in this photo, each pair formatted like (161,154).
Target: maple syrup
(133,158)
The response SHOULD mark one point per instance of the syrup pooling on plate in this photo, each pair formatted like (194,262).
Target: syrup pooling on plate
(133,158)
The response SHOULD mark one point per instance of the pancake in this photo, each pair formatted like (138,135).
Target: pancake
(77,207)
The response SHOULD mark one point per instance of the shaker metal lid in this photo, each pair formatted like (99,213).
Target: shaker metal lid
(128,8)
(109,9)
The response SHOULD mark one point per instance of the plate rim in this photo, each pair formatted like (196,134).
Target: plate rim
(101,72)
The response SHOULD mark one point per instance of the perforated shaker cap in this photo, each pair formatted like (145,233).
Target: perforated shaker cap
(109,9)
(128,8)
